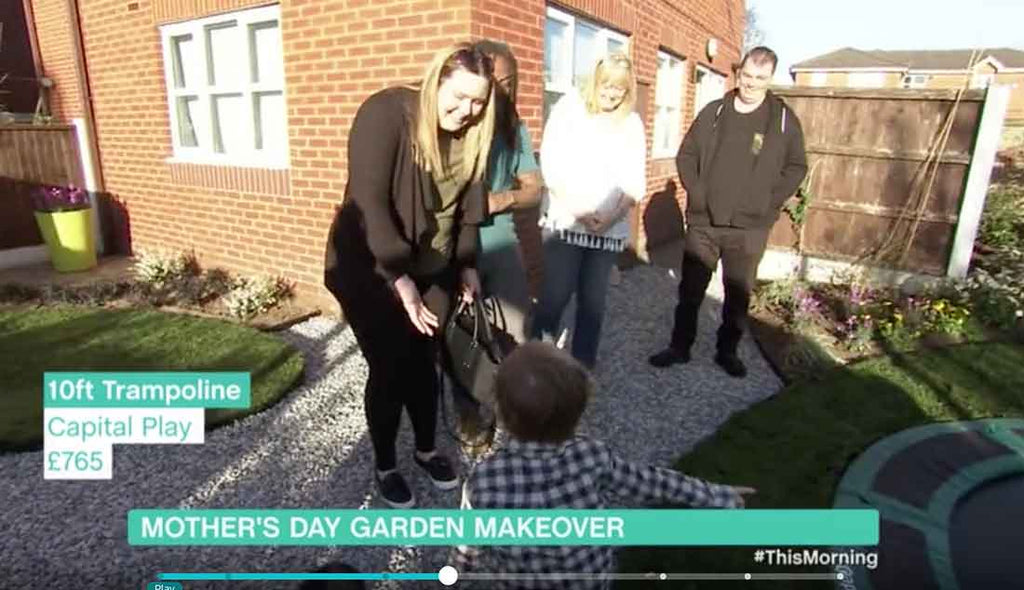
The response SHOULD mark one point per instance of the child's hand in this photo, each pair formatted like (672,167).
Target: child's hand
(743,491)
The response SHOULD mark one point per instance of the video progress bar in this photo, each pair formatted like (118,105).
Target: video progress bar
(655,577)
(185,576)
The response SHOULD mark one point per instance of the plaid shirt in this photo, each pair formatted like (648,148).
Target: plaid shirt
(581,474)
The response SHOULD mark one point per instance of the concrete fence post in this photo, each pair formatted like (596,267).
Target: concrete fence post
(979,172)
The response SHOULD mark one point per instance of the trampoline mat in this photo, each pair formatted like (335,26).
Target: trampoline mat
(986,535)
(950,498)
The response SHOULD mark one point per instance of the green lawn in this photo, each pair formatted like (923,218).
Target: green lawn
(795,447)
(34,340)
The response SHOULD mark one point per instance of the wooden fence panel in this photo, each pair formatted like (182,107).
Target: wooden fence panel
(868,152)
(29,156)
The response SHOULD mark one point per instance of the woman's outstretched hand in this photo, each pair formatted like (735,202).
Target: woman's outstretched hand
(421,317)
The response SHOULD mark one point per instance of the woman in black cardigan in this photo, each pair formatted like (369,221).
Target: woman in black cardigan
(405,241)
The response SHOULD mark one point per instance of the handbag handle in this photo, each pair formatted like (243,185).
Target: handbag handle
(482,334)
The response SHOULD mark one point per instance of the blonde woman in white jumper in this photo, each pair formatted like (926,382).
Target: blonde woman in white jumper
(592,159)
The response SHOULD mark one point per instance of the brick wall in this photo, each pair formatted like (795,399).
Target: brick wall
(521,26)
(53,35)
(335,55)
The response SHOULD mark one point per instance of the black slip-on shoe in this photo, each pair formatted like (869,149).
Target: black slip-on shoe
(394,491)
(668,357)
(731,364)
(440,471)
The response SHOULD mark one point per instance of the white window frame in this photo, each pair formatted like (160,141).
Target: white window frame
(604,36)
(669,92)
(915,81)
(699,85)
(205,152)
(819,79)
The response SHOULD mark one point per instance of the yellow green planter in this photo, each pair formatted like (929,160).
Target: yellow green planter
(69,239)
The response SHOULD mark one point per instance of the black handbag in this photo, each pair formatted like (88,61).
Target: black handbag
(476,340)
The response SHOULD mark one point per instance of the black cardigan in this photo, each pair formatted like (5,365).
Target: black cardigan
(389,199)
(778,170)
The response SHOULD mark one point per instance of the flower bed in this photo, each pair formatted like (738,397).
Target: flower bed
(175,282)
(805,327)
(833,323)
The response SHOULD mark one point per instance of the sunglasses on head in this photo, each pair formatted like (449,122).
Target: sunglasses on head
(469,57)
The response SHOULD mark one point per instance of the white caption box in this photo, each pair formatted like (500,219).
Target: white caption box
(77,442)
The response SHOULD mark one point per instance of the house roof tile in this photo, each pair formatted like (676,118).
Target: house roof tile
(948,59)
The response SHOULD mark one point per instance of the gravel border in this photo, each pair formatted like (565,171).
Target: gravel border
(311,451)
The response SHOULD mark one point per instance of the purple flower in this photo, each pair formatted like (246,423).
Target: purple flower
(806,303)
(860,294)
(52,198)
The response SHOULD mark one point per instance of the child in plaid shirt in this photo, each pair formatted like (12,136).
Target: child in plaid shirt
(541,393)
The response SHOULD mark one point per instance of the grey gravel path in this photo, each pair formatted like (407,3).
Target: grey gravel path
(311,451)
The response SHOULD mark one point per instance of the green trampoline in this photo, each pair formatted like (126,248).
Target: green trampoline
(951,502)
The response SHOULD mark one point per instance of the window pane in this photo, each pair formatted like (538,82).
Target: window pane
(556,50)
(185,62)
(615,45)
(265,47)
(226,55)
(660,129)
(669,82)
(188,116)
(674,124)
(229,124)
(661,81)
(271,127)
(586,52)
(710,87)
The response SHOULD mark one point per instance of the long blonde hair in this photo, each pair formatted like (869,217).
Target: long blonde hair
(615,65)
(478,135)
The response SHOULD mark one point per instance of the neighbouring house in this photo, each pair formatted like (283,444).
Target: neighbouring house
(220,126)
(856,68)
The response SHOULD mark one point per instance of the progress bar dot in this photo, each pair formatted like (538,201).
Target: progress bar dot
(448,575)
(840,577)
(663,576)
(746,576)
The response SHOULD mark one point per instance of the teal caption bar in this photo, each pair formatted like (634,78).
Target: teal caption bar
(504,527)
(146,390)
(291,576)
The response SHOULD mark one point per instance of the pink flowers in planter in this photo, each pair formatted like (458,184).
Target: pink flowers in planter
(54,198)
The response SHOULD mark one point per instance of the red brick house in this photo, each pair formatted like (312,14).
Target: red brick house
(221,124)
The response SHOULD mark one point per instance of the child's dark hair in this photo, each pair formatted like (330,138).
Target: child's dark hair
(541,393)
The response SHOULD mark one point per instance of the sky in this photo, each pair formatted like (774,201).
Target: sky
(802,29)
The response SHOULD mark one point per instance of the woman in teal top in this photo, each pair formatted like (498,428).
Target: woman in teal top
(515,184)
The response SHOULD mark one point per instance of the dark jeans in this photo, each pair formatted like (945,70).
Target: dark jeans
(572,269)
(740,251)
(402,361)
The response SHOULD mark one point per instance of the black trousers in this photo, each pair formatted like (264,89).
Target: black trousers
(740,251)
(402,361)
